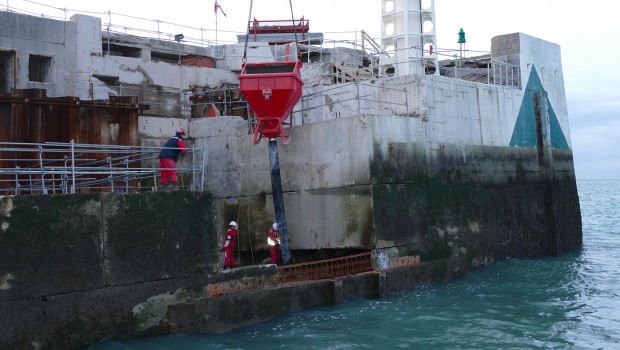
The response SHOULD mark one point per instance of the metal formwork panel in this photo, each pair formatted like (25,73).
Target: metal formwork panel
(326,269)
(29,116)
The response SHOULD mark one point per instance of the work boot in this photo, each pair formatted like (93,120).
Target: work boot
(166,187)
(175,187)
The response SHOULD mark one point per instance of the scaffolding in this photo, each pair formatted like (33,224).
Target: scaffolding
(66,168)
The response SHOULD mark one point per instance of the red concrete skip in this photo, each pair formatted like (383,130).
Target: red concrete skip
(272,90)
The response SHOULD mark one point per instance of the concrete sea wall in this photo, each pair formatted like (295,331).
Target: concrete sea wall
(459,173)
(72,268)
(366,184)
(414,165)
(77,269)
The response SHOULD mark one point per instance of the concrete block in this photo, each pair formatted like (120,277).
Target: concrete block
(49,245)
(22,323)
(407,278)
(161,128)
(218,126)
(364,285)
(337,291)
(404,261)
(224,313)
(160,224)
(240,286)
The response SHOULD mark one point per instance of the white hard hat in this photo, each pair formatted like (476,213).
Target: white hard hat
(275,226)
(233,223)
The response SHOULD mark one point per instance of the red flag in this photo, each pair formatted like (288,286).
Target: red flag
(217,6)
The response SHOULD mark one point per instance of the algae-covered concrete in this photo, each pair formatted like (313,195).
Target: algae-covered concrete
(216,315)
(377,187)
(458,172)
(416,165)
(73,268)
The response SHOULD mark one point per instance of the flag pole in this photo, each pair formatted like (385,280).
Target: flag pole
(216,23)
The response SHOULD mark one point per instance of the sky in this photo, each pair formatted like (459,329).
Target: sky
(585,31)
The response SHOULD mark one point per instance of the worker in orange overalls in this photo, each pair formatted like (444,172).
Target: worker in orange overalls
(273,240)
(230,241)
(168,157)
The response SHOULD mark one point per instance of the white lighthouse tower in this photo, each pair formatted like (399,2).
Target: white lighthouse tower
(408,37)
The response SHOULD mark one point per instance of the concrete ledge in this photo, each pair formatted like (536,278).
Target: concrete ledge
(227,312)
(436,271)
(222,314)
(365,285)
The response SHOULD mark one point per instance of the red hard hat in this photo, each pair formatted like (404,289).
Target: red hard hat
(181,131)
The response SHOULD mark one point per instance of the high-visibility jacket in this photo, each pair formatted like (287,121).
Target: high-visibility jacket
(273,238)
(231,238)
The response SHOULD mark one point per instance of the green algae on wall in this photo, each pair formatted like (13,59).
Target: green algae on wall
(482,202)
(72,267)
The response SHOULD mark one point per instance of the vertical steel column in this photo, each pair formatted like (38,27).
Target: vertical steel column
(65,178)
(72,167)
(111,175)
(202,169)
(153,170)
(278,200)
(193,185)
(126,177)
(43,188)
(16,180)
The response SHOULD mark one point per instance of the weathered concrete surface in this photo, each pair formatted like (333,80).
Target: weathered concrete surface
(165,238)
(76,58)
(408,165)
(228,312)
(415,164)
(125,269)
(73,268)
(222,314)
(50,245)
(436,271)
(377,187)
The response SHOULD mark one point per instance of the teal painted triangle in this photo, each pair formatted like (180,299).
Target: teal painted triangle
(524,132)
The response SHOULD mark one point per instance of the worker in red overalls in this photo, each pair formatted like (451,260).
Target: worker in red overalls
(168,156)
(232,235)
(273,240)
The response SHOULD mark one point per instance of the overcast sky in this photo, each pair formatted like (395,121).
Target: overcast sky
(586,32)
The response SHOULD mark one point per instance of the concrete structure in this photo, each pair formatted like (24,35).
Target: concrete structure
(408,37)
(75,58)
(410,164)
(463,160)
(78,269)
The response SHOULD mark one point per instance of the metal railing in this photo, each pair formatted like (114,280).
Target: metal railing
(501,73)
(63,168)
(367,49)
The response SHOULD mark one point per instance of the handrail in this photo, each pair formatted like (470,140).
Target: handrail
(46,168)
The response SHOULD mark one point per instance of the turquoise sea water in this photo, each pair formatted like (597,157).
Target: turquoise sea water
(568,302)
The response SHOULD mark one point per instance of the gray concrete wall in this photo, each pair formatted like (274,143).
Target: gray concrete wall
(228,312)
(75,51)
(369,182)
(40,37)
(530,53)
(77,269)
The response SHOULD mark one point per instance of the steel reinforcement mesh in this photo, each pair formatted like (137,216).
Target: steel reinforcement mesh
(326,269)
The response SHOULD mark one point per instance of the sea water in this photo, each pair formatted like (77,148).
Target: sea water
(566,302)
